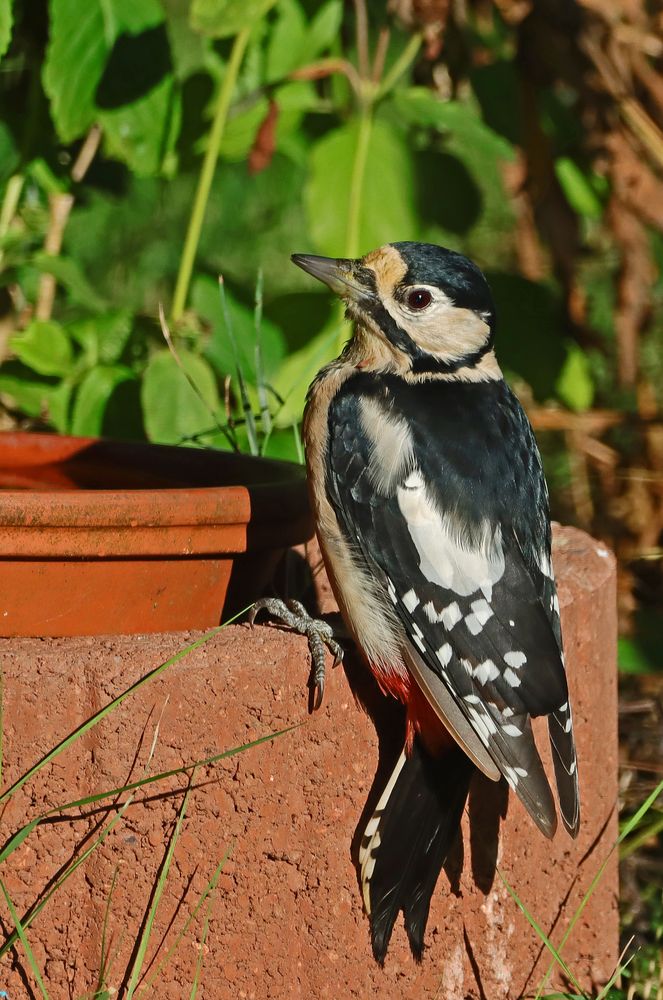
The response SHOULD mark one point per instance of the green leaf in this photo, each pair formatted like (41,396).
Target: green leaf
(574,383)
(6,24)
(207,303)
(80,39)
(386,205)
(633,659)
(420,106)
(20,930)
(144,133)
(324,28)
(577,188)
(93,397)
(93,72)
(298,371)
(173,412)
(104,337)
(286,48)
(59,405)
(45,347)
(9,157)
(223,18)
(67,272)
(27,393)
(189,49)
(240,131)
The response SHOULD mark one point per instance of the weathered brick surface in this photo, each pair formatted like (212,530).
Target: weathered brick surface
(286,919)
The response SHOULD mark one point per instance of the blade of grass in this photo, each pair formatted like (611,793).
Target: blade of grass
(89,800)
(20,931)
(621,965)
(103,963)
(298,443)
(261,380)
(2,720)
(201,953)
(249,418)
(156,898)
(629,826)
(27,920)
(223,428)
(648,833)
(211,885)
(103,712)
(543,936)
(9,943)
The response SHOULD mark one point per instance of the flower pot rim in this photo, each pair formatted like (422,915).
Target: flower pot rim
(263,490)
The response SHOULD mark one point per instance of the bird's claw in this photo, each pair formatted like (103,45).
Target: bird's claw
(318,632)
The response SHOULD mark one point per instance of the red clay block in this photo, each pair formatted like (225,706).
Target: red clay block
(286,918)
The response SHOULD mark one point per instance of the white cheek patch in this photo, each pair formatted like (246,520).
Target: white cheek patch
(444,557)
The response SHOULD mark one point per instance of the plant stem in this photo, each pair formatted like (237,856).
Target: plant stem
(406,58)
(357,181)
(354,204)
(207,174)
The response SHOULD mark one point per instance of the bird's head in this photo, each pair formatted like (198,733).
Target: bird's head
(429,308)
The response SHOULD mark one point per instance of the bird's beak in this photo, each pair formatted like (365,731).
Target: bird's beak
(339,274)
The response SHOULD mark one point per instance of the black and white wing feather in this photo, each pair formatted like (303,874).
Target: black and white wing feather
(436,503)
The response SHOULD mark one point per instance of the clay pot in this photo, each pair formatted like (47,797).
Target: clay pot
(102,537)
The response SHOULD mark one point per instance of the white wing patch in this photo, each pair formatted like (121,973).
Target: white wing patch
(445,558)
(391,452)
(481,613)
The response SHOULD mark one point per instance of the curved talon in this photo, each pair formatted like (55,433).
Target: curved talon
(318,632)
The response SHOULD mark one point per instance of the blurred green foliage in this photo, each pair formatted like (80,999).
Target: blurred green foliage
(340,162)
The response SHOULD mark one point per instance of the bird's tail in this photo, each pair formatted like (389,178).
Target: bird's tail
(407,839)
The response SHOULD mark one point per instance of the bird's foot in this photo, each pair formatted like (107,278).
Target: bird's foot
(318,632)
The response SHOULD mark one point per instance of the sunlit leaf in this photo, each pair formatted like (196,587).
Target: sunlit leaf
(59,405)
(23,390)
(286,49)
(45,347)
(9,157)
(386,202)
(220,350)
(100,66)
(324,28)
(68,273)
(574,383)
(104,337)
(222,18)
(173,411)
(420,106)
(144,132)
(577,188)
(6,24)
(298,371)
(80,37)
(93,397)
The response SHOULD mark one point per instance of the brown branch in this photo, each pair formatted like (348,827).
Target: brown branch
(325,67)
(361,25)
(60,205)
(380,54)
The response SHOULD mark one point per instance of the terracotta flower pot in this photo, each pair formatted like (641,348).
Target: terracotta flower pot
(102,537)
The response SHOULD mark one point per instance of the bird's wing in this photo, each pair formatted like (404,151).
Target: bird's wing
(560,722)
(460,584)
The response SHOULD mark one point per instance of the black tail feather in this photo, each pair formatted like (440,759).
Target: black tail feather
(408,839)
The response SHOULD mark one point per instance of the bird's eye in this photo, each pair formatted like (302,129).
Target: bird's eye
(419,298)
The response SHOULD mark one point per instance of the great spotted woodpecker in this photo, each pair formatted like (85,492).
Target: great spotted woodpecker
(432,514)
